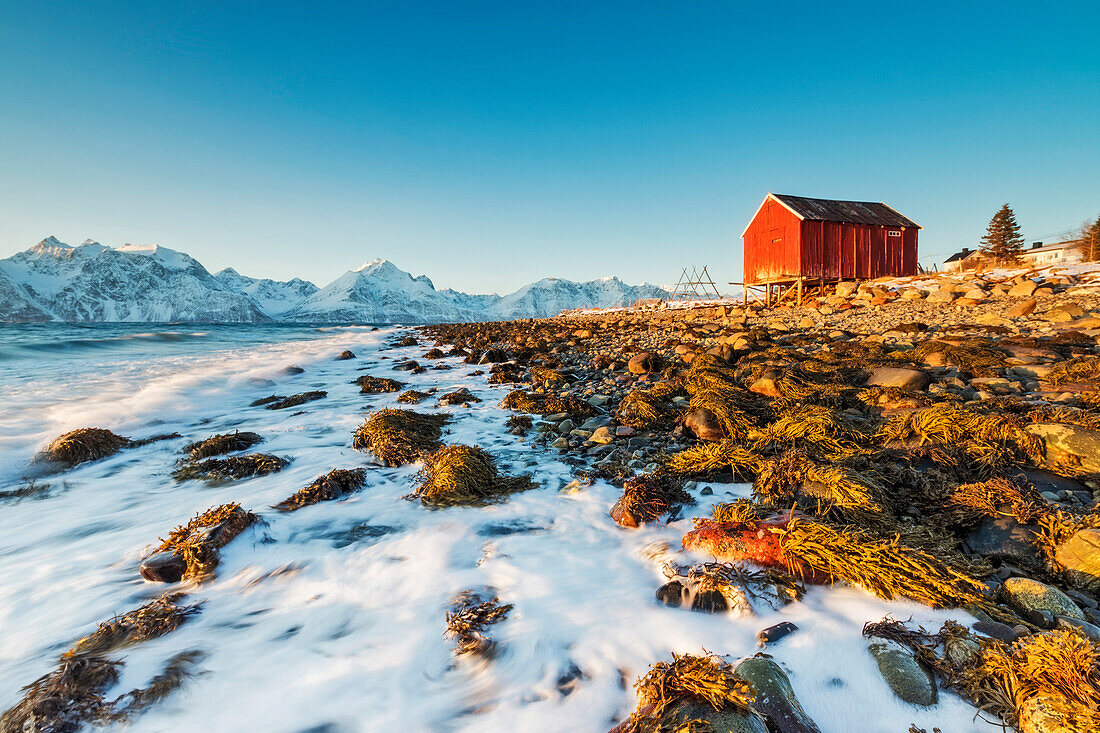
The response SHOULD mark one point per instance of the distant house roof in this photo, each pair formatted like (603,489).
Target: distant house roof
(1048,247)
(964,254)
(849,212)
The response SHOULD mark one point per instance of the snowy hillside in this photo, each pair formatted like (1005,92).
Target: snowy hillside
(273,297)
(54,281)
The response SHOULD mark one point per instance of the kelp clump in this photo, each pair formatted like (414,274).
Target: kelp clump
(193,550)
(335,484)
(85,444)
(646,407)
(399,436)
(71,696)
(468,619)
(649,496)
(156,618)
(231,468)
(673,694)
(1047,681)
(1079,369)
(297,399)
(377,385)
(412,397)
(546,404)
(465,475)
(217,445)
(988,438)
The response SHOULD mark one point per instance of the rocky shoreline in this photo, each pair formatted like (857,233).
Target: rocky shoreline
(941,448)
(945,437)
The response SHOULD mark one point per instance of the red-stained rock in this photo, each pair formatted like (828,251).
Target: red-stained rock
(756,542)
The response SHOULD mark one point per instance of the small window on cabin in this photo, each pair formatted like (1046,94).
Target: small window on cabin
(777,240)
(894,234)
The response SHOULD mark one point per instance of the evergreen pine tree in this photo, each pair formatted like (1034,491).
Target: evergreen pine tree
(1088,242)
(1002,241)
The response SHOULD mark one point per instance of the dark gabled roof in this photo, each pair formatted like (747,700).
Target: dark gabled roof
(849,212)
(960,255)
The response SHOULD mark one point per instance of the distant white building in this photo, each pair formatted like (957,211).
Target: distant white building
(1044,255)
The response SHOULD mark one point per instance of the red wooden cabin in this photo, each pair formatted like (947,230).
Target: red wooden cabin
(794,240)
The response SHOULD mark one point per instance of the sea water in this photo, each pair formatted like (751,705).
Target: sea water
(331,618)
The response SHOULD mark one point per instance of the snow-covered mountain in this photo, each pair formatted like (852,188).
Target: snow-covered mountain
(53,281)
(273,297)
(552,295)
(139,283)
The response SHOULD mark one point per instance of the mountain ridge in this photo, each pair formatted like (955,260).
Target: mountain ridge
(92,282)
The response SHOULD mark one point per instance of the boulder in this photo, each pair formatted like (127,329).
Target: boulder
(704,424)
(1023,290)
(846,289)
(1021,309)
(1069,448)
(1080,556)
(903,673)
(644,363)
(345,355)
(898,377)
(1063,313)
(775,699)
(1036,601)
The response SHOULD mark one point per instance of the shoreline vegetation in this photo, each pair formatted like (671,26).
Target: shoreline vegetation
(935,439)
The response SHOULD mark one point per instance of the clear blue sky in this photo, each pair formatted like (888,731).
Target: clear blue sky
(488,144)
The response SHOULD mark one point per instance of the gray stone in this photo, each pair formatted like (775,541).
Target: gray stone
(906,677)
(163,567)
(1089,630)
(775,699)
(722,721)
(1034,600)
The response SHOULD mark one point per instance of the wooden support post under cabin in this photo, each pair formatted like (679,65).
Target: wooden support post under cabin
(800,291)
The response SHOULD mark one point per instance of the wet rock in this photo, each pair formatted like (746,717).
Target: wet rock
(163,567)
(775,633)
(345,355)
(709,601)
(704,424)
(1070,448)
(1080,556)
(775,699)
(644,363)
(292,369)
(996,630)
(720,721)
(1003,537)
(493,356)
(898,377)
(407,366)
(905,676)
(673,593)
(1090,630)
(1036,600)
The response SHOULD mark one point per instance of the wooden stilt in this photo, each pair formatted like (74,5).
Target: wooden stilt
(799,291)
